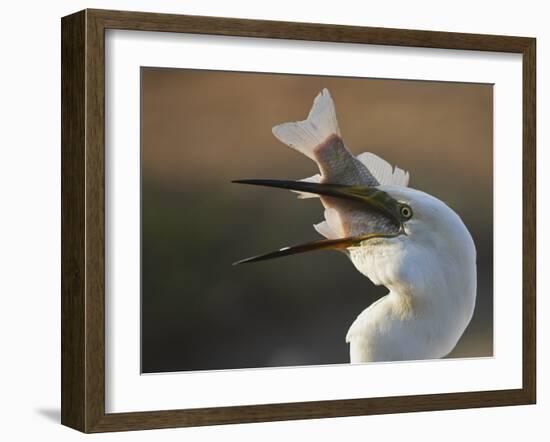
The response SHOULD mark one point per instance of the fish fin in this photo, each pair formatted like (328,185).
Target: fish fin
(383,171)
(306,135)
(324,229)
(334,222)
(305,195)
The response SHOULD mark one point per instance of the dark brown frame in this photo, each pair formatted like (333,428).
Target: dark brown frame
(83,216)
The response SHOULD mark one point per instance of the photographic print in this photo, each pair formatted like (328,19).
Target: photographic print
(248,204)
(295,220)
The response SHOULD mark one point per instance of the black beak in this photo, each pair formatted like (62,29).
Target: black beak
(370,196)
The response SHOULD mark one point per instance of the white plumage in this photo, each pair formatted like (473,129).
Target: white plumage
(429,269)
(431,277)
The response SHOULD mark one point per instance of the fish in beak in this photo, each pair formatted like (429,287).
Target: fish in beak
(356,208)
(377,214)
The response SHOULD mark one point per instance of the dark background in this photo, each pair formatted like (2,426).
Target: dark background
(202,129)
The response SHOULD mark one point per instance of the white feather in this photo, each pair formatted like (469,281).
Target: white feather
(383,171)
(305,136)
(432,280)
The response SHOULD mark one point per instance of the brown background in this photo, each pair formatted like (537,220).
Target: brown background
(202,129)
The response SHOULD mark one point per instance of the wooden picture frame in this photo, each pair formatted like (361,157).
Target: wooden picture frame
(83,220)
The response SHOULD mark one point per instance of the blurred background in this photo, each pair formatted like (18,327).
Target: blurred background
(202,129)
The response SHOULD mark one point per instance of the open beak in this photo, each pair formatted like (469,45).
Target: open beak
(370,196)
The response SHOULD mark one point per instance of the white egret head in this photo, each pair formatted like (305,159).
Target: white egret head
(381,216)
(432,244)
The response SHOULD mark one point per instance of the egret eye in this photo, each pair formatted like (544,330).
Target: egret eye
(406,211)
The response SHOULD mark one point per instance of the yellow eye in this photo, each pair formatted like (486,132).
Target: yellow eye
(406,211)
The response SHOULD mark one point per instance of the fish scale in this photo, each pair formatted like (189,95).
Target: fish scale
(339,166)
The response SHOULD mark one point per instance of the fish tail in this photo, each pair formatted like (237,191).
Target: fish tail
(321,123)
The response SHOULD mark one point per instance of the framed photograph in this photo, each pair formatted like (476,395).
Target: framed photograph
(268,220)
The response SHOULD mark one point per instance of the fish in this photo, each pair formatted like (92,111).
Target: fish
(319,138)
(347,185)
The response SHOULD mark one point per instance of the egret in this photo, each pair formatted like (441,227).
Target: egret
(399,237)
